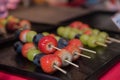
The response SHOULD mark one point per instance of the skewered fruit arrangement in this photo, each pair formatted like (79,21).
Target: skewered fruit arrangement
(88,36)
(49,57)
(11,24)
(86,28)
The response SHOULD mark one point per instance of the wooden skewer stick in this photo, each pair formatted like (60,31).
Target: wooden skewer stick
(84,49)
(83,55)
(58,68)
(71,63)
(113,39)
(55,47)
(101,44)
(107,41)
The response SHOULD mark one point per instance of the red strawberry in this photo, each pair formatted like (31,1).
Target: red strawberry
(53,35)
(75,42)
(12,26)
(45,44)
(25,24)
(84,26)
(47,63)
(22,35)
(88,32)
(64,55)
(26,47)
(73,50)
(76,24)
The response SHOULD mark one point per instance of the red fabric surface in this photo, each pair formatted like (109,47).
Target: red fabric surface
(113,74)
(7,76)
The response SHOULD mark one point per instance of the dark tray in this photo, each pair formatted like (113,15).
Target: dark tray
(97,19)
(97,65)
(99,73)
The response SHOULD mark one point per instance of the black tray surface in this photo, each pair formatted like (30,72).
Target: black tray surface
(87,67)
(97,19)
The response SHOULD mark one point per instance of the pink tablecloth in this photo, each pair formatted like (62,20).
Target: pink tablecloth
(113,74)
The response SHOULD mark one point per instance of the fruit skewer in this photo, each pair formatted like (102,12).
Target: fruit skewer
(74,42)
(86,29)
(46,44)
(62,43)
(11,24)
(71,34)
(30,36)
(49,63)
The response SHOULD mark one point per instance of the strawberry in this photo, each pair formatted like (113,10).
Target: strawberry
(26,47)
(75,42)
(12,26)
(48,61)
(84,26)
(73,50)
(76,24)
(22,35)
(45,44)
(53,35)
(88,32)
(64,55)
(25,24)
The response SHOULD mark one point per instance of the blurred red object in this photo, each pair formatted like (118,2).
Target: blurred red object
(76,2)
(7,76)
(113,74)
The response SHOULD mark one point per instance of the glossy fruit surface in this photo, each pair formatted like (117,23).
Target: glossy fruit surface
(73,50)
(71,35)
(92,41)
(30,35)
(62,43)
(45,44)
(84,39)
(76,24)
(95,32)
(18,47)
(75,42)
(32,53)
(22,35)
(37,58)
(48,62)
(25,24)
(36,38)
(26,47)
(103,35)
(60,30)
(64,55)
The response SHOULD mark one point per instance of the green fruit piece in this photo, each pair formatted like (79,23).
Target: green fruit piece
(75,30)
(30,35)
(101,40)
(57,38)
(66,32)
(95,32)
(103,34)
(84,38)
(32,53)
(60,30)
(45,33)
(12,18)
(3,22)
(92,41)
(72,35)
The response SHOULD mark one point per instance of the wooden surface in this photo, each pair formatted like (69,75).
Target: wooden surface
(49,15)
